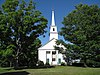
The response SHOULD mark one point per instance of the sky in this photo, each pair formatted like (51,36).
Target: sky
(61,7)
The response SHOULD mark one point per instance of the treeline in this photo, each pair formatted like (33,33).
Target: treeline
(82,28)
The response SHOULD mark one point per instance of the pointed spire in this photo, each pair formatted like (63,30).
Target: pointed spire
(53,20)
(53,28)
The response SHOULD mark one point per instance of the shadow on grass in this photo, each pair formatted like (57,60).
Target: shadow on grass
(16,73)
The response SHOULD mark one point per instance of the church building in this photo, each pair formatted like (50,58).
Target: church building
(47,52)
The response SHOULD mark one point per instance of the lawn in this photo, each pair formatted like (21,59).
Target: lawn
(58,70)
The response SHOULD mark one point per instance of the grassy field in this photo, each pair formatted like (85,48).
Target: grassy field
(59,70)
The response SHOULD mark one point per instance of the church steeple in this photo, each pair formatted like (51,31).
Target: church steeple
(53,28)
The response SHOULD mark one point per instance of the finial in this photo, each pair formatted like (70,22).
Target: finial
(52,9)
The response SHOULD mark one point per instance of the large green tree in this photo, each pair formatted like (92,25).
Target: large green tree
(82,29)
(20,26)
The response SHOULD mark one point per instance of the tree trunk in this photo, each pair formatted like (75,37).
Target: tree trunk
(85,62)
(16,64)
(10,63)
(17,60)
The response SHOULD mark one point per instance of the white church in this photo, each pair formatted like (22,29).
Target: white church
(47,52)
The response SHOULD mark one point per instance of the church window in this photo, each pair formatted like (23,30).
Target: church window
(53,29)
(48,52)
(59,61)
(53,52)
(58,52)
(53,59)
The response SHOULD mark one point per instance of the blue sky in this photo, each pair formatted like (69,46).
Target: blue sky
(61,7)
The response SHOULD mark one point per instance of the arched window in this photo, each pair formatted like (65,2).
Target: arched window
(53,29)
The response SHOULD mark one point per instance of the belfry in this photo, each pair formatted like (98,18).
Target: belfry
(53,28)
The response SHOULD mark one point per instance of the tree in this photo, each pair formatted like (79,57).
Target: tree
(82,29)
(7,56)
(21,25)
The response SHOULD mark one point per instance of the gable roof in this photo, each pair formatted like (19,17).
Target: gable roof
(49,45)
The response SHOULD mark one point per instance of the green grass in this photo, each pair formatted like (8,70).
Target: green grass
(2,70)
(59,70)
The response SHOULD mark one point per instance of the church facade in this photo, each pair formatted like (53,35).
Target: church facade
(47,52)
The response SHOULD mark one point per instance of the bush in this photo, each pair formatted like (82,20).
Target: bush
(78,64)
(47,65)
(5,64)
(40,63)
(63,64)
(92,63)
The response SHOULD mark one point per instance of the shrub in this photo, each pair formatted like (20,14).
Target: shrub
(78,64)
(63,64)
(40,63)
(92,63)
(47,65)
(4,64)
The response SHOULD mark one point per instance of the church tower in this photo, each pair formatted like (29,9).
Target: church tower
(53,28)
(47,53)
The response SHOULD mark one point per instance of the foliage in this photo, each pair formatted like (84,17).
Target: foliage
(7,56)
(78,64)
(63,64)
(47,64)
(92,63)
(20,26)
(82,29)
(40,63)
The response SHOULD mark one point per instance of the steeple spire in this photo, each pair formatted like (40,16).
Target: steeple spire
(53,28)
(53,19)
